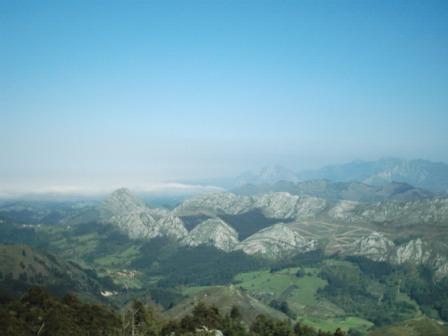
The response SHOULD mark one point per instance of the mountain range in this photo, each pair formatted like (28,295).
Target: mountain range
(334,191)
(337,254)
(424,174)
(412,231)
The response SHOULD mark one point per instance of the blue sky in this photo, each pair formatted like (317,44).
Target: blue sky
(128,92)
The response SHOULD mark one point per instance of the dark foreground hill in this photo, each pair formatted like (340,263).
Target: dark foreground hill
(22,267)
(38,313)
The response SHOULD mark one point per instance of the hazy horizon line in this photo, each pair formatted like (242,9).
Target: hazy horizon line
(183,186)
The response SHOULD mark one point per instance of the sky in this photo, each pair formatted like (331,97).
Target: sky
(102,93)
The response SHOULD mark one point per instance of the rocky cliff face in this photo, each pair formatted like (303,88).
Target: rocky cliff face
(415,251)
(214,232)
(422,252)
(276,242)
(374,246)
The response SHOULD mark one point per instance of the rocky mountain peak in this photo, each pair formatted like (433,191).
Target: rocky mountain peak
(276,241)
(214,232)
(122,200)
(130,214)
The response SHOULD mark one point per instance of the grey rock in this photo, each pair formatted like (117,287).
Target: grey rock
(127,212)
(214,232)
(276,242)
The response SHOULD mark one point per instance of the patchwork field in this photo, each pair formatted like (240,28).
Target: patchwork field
(298,287)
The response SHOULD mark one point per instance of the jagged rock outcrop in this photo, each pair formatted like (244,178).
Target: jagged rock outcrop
(421,252)
(378,247)
(413,251)
(129,214)
(428,211)
(276,242)
(374,246)
(214,232)
(133,217)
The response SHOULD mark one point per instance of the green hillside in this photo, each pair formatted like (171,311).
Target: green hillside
(417,327)
(295,292)
(22,266)
(225,297)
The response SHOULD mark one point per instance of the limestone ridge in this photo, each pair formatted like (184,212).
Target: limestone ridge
(127,212)
(347,227)
(215,204)
(304,224)
(132,216)
(275,205)
(287,206)
(428,211)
